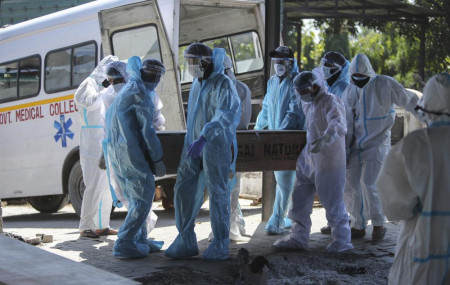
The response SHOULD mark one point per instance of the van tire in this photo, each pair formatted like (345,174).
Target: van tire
(49,204)
(76,187)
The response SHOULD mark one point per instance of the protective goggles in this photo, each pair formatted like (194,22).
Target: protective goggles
(284,61)
(304,89)
(331,65)
(152,73)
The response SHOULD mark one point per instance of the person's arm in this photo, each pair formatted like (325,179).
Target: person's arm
(158,117)
(337,124)
(227,112)
(295,118)
(246,105)
(261,120)
(144,109)
(350,99)
(87,94)
(401,97)
(398,199)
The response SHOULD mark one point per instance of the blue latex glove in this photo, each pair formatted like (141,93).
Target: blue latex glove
(196,147)
(319,143)
(160,169)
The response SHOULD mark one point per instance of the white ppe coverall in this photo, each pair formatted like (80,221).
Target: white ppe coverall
(321,173)
(370,116)
(414,186)
(281,111)
(97,200)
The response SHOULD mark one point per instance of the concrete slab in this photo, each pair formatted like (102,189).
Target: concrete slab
(21,263)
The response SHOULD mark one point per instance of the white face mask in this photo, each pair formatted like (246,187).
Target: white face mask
(195,71)
(280,69)
(329,71)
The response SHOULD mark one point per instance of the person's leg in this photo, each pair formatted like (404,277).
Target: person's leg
(217,168)
(92,196)
(285,186)
(132,237)
(237,223)
(188,198)
(330,185)
(300,213)
(369,175)
(105,205)
(353,196)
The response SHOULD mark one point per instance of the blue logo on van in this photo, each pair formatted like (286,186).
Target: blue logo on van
(63,130)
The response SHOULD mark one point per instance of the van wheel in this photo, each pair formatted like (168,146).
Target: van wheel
(76,187)
(49,204)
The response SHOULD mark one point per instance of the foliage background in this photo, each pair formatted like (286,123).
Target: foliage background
(392,47)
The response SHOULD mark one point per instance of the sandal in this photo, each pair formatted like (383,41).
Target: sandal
(105,232)
(89,234)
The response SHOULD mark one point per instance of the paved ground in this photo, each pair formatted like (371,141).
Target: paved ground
(368,263)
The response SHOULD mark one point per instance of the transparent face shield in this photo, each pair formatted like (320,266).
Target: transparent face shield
(329,68)
(193,67)
(307,87)
(281,66)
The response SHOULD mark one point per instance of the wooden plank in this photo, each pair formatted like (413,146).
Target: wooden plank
(257,150)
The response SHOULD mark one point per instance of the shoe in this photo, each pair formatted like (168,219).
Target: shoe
(326,230)
(89,234)
(378,232)
(288,242)
(357,234)
(106,232)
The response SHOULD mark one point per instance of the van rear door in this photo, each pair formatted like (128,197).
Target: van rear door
(138,29)
(236,26)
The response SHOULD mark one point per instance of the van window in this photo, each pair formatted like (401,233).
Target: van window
(244,49)
(67,68)
(20,79)
(247,52)
(145,43)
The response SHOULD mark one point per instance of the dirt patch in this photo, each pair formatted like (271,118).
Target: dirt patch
(303,267)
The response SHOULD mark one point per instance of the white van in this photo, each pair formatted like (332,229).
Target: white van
(42,62)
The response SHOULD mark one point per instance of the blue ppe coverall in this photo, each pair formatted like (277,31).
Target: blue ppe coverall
(214,113)
(321,173)
(281,110)
(414,188)
(370,114)
(131,143)
(338,87)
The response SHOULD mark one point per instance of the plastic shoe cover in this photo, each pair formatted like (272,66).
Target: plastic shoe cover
(217,250)
(339,246)
(288,242)
(155,245)
(184,246)
(233,237)
(130,249)
(287,223)
(274,226)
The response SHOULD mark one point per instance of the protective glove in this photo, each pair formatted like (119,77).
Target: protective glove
(160,169)
(196,147)
(319,143)
(101,162)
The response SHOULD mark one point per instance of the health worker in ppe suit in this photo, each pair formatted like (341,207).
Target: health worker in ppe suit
(117,76)
(132,148)
(237,223)
(281,111)
(414,186)
(97,201)
(335,71)
(212,118)
(320,166)
(370,112)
